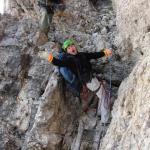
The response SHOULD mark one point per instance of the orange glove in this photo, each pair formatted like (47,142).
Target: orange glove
(108,52)
(50,57)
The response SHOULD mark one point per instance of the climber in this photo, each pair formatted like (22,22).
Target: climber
(72,82)
(47,9)
(79,64)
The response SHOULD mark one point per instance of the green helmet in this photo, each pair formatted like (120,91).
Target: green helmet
(67,43)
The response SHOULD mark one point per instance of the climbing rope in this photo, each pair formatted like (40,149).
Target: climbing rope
(110,77)
(107,90)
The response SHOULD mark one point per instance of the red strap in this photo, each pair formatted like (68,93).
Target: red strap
(84,93)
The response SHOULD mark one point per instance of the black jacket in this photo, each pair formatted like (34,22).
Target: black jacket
(79,64)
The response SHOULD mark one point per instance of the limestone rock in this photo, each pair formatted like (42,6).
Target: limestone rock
(36,110)
(129,128)
(133,25)
(130,125)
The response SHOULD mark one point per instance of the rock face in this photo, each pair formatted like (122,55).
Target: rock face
(18,7)
(133,24)
(130,124)
(35,113)
(130,128)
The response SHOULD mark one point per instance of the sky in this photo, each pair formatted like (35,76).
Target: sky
(1,6)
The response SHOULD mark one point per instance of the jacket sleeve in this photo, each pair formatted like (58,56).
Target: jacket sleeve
(95,55)
(61,63)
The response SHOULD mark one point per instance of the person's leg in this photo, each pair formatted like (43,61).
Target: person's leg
(93,85)
(67,74)
(103,110)
(73,83)
(73,90)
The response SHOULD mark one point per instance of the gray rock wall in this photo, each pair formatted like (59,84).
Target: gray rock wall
(130,128)
(35,114)
(132,19)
